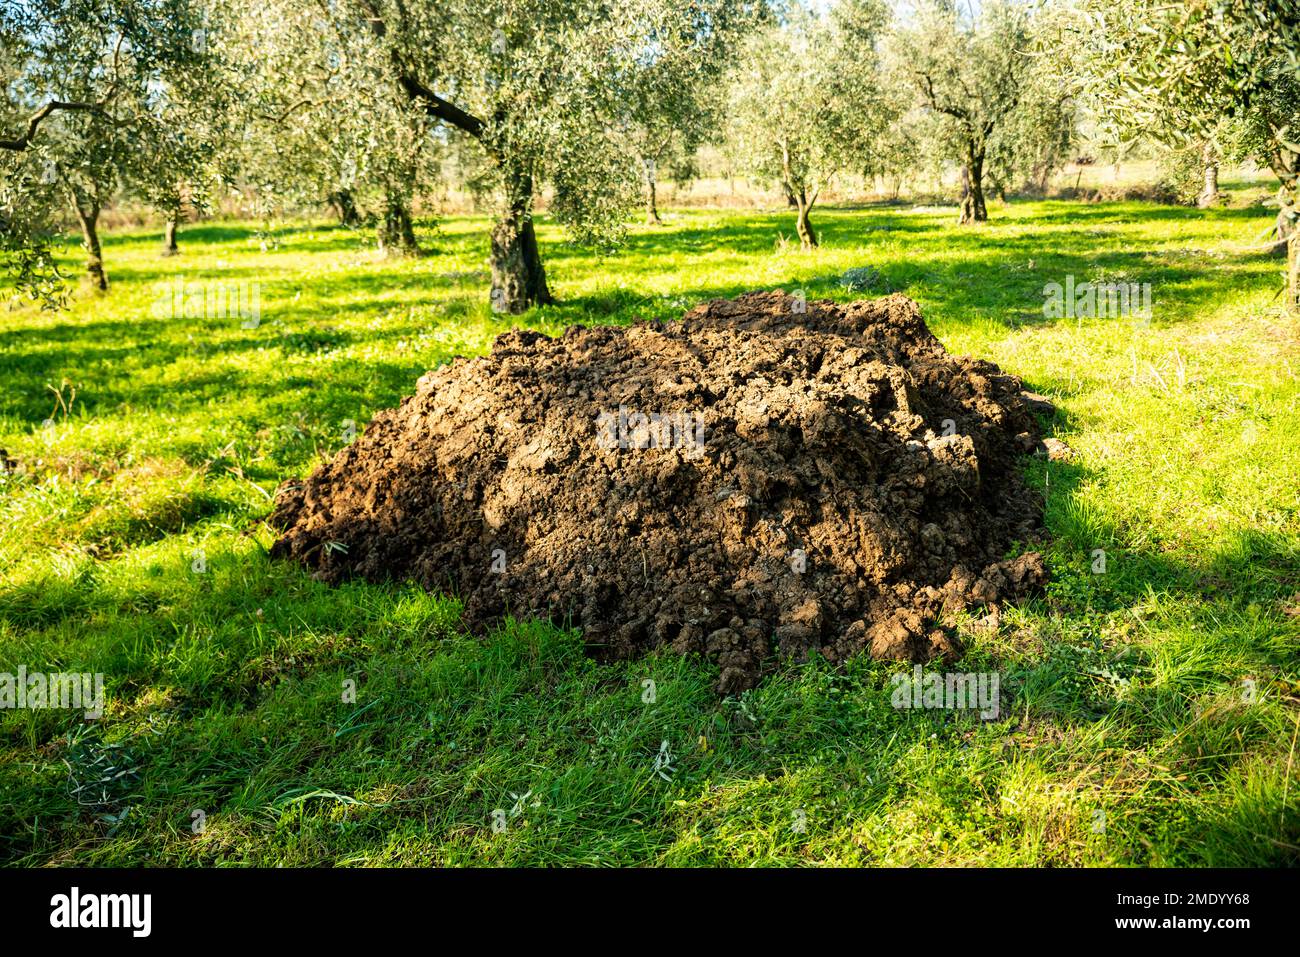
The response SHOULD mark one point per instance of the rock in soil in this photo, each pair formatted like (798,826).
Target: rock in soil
(1039,403)
(1056,450)
(763,477)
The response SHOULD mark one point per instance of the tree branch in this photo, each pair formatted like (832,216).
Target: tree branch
(928,90)
(288,111)
(440,109)
(20,144)
(433,104)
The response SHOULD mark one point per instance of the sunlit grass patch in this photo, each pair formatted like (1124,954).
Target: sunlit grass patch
(1149,702)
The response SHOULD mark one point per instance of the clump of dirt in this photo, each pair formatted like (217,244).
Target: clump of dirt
(853,486)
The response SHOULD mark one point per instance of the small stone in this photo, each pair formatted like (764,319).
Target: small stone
(1039,404)
(1056,450)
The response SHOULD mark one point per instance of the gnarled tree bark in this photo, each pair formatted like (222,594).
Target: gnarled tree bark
(802,195)
(518,277)
(88,217)
(973,208)
(169,245)
(651,193)
(396,233)
(345,207)
(1209,195)
(803,225)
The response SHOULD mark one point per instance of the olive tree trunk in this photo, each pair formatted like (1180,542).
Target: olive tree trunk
(518,277)
(169,246)
(803,225)
(651,194)
(973,209)
(799,195)
(396,233)
(1210,185)
(88,216)
(345,206)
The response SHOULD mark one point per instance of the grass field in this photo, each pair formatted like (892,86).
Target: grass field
(132,543)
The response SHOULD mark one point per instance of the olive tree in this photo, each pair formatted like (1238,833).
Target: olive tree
(194,126)
(28,202)
(28,198)
(969,65)
(27,207)
(670,100)
(1190,170)
(91,75)
(806,101)
(1175,71)
(534,86)
(1038,136)
(324,121)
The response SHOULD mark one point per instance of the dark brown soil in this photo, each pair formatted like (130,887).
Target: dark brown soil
(830,507)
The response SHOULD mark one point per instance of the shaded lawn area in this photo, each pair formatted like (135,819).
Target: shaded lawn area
(1150,712)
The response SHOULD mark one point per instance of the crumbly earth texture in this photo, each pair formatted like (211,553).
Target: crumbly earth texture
(856,486)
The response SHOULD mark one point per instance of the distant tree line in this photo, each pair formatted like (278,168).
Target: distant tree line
(366,107)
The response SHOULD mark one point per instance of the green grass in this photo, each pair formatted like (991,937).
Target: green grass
(226,688)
